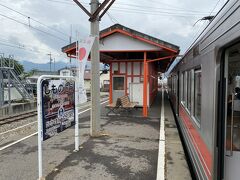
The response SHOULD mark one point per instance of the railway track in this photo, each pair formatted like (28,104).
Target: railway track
(23,116)
(17,117)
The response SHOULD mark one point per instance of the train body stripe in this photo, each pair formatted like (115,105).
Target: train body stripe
(200,147)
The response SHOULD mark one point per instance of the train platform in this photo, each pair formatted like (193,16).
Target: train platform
(129,147)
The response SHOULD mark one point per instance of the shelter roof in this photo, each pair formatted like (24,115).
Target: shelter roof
(118,28)
(119,43)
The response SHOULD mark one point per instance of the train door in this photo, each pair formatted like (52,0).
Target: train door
(232,113)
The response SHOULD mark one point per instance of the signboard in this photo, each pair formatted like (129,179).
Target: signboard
(83,49)
(58,106)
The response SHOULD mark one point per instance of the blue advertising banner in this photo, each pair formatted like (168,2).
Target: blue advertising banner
(58,106)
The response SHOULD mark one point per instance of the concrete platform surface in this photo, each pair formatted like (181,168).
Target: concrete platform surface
(127,149)
(176,163)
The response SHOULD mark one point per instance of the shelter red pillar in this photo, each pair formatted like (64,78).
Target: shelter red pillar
(110,85)
(145,84)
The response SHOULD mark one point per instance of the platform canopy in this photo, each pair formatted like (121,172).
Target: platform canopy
(119,43)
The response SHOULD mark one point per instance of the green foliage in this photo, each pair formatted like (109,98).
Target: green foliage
(19,69)
(30,73)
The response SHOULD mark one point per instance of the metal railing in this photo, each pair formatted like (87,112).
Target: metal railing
(6,63)
(9,65)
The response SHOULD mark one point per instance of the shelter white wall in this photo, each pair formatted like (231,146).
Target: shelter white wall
(120,42)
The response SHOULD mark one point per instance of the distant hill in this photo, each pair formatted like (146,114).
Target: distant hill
(28,66)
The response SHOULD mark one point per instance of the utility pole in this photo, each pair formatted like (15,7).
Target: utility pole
(50,56)
(70,41)
(54,64)
(1,80)
(95,61)
(97,12)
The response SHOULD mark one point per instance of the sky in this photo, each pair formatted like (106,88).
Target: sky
(41,27)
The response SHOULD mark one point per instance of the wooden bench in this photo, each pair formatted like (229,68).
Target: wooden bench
(122,103)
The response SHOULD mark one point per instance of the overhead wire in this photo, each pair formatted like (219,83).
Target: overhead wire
(143,10)
(197,35)
(158,8)
(175,8)
(26,46)
(33,19)
(28,25)
(157,11)
(152,13)
(113,19)
(28,49)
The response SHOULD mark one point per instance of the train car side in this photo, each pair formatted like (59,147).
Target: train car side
(193,90)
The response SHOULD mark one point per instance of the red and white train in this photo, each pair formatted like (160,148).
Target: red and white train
(203,89)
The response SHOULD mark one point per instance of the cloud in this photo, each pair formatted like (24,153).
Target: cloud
(170,21)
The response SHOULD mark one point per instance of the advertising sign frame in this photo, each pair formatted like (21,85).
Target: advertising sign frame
(40,116)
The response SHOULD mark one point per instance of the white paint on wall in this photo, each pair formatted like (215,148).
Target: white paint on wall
(136,80)
(65,72)
(114,67)
(129,69)
(15,95)
(122,67)
(129,80)
(136,93)
(136,68)
(120,42)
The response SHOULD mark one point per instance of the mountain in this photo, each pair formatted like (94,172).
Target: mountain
(28,66)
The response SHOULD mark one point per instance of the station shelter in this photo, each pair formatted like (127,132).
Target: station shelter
(135,61)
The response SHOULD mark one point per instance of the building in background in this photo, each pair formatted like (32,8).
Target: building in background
(104,77)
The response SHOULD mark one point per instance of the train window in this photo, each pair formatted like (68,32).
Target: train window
(197,94)
(189,90)
(196,51)
(175,85)
(169,83)
(184,88)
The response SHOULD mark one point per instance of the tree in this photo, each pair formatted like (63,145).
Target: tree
(19,68)
(8,62)
(31,73)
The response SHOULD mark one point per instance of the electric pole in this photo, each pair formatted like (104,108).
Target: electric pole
(50,59)
(54,64)
(95,61)
(97,12)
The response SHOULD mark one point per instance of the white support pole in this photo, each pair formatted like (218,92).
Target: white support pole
(39,104)
(76,121)
(76,102)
